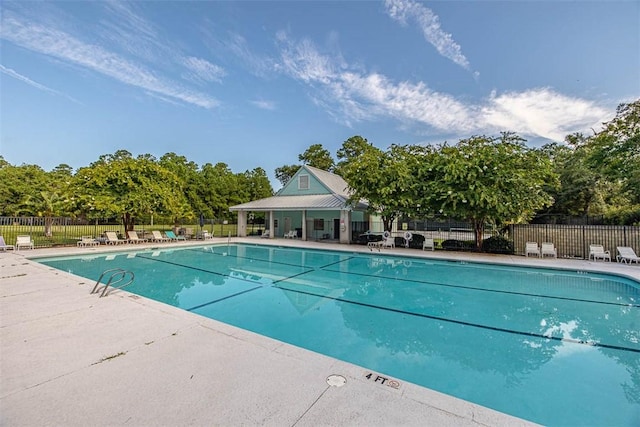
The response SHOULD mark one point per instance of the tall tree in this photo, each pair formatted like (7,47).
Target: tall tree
(318,157)
(19,185)
(488,180)
(129,187)
(383,179)
(285,172)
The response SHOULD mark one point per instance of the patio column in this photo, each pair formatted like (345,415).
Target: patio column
(271,225)
(242,224)
(345,226)
(304,224)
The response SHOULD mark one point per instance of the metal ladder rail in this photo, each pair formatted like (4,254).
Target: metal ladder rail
(117,272)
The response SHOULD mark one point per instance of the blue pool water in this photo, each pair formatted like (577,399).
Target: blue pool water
(555,347)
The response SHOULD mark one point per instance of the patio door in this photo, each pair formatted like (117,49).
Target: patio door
(336,228)
(287,224)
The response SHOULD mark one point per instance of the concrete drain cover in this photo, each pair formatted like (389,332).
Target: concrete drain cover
(336,380)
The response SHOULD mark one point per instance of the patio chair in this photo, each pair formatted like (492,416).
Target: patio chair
(133,237)
(24,242)
(87,241)
(157,237)
(205,235)
(627,255)
(532,248)
(408,236)
(4,246)
(112,238)
(266,234)
(548,249)
(428,244)
(597,252)
(292,234)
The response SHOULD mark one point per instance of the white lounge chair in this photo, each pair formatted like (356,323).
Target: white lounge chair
(87,241)
(428,244)
(112,238)
(597,252)
(156,236)
(205,235)
(293,234)
(4,246)
(532,248)
(24,242)
(266,234)
(548,249)
(133,237)
(627,255)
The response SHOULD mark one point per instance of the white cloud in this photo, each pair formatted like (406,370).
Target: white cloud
(429,24)
(541,112)
(61,45)
(352,96)
(18,76)
(201,69)
(264,105)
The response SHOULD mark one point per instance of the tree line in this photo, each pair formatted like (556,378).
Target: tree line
(482,179)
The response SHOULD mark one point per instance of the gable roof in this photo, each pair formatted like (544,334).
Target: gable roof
(335,199)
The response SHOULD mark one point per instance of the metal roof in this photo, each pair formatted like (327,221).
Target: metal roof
(309,202)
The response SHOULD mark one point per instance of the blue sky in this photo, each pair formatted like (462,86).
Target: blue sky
(255,83)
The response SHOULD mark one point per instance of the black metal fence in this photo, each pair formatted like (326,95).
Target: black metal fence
(61,231)
(572,241)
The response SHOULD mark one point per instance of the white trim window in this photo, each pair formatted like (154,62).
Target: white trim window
(303,182)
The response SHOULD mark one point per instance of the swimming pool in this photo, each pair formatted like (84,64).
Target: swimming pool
(551,346)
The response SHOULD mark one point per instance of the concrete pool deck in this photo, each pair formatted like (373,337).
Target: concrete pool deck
(70,358)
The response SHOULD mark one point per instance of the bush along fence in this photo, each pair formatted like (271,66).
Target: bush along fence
(61,231)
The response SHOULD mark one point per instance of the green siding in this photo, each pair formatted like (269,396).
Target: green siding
(315,186)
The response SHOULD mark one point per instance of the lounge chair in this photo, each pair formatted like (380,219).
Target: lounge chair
(266,234)
(87,241)
(627,255)
(112,238)
(428,244)
(548,249)
(292,234)
(597,252)
(157,237)
(4,246)
(24,242)
(172,236)
(133,237)
(532,248)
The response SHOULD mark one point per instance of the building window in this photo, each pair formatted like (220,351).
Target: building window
(318,224)
(303,182)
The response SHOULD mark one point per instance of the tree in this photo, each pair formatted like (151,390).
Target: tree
(317,157)
(221,189)
(285,173)
(614,153)
(255,184)
(487,180)
(193,187)
(121,185)
(19,185)
(383,179)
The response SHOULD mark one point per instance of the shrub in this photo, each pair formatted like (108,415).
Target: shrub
(457,245)
(497,245)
